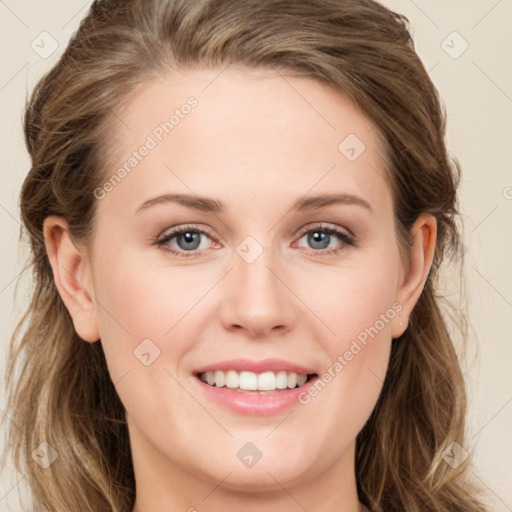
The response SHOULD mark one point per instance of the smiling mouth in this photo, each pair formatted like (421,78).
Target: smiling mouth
(256,383)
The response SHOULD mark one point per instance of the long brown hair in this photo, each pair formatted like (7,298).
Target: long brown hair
(60,391)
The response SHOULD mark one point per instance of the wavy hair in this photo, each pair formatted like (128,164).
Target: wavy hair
(59,387)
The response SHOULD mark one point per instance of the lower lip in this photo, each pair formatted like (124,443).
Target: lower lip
(255,404)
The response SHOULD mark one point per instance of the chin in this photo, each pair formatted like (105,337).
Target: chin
(268,474)
(246,481)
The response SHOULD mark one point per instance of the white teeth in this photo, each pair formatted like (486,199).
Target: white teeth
(210,378)
(301,380)
(231,379)
(292,380)
(250,381)
(267,381)
(220,378)
(282,380)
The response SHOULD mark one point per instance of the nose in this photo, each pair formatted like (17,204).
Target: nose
(257,298)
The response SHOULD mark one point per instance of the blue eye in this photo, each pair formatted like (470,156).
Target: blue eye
(190,239)
(186,241)
(320,238)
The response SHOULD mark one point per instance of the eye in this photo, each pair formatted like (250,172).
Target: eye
(321,238)
(186,239)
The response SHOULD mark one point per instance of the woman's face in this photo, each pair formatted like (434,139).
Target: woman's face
(264,170)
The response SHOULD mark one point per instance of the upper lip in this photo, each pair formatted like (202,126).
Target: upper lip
(273,365)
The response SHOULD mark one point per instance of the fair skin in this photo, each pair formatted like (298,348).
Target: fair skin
(255,144)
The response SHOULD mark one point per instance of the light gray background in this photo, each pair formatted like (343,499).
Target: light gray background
(476,87)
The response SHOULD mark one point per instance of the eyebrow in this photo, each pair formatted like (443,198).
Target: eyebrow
(209,205)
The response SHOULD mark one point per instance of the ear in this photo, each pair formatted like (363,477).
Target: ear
(423,234)
(72,276)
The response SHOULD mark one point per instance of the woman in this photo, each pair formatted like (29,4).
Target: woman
(293,152)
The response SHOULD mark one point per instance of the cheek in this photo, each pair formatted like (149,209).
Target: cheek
(352,299)
(144,317)
(358,306)
(144,300)
(138,302)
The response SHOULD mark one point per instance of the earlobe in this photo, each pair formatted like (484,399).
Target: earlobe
(72,276)
(423,234)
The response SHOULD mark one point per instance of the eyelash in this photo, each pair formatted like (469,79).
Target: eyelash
(347,239)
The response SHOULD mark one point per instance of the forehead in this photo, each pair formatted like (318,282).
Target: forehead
(243,130)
